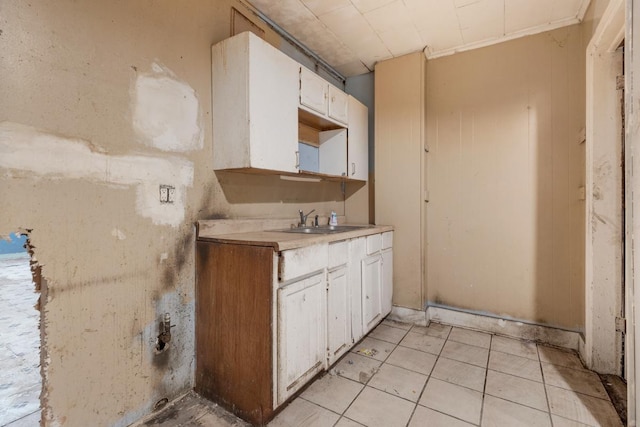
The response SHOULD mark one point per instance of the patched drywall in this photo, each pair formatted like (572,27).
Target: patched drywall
(28,152)
(165,111)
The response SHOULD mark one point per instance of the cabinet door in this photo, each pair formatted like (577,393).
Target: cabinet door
(313,91)
(358,140)
(333,152)
(387,281)
(338,314)
(371,291)
(302,340)
(338,105)
(357,252)
(273,101)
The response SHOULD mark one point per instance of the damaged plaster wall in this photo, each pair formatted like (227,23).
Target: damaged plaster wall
(102,102)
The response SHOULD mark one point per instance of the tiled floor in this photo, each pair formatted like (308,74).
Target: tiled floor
(403,375)
(20,380)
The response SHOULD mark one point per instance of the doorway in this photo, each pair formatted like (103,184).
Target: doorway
(20,377)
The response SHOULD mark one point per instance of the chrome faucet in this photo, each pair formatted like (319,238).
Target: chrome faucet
(303,218)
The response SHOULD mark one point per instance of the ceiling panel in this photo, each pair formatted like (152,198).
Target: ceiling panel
(401,42)
(352,34)
(393,16)
(365,6)
(320,7)
(481,20)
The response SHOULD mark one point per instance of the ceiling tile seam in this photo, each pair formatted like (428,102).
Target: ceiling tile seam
(511,36)
(355,55)
(459,23)
(331,32)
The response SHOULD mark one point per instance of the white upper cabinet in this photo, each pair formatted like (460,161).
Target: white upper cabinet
(358,141)
(313,91)
(322,98)
(255,105)
(338,105)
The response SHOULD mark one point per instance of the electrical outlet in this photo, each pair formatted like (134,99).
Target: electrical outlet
(167,193)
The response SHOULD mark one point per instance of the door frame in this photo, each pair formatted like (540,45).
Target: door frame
(604,236)
(632,231)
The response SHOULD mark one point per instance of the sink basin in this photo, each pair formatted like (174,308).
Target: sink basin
(323,229)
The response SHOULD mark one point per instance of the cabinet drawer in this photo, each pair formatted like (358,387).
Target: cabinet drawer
(387,240)
(374,243)
(337,254)
(302,261)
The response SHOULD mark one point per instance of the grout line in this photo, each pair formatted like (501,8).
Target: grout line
(544,385)
(484,389)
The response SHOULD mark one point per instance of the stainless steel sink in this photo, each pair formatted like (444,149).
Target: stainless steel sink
(323,229)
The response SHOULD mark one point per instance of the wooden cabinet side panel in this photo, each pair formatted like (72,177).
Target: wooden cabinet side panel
(233,328)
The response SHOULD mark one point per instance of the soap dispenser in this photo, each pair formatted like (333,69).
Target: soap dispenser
(333,219)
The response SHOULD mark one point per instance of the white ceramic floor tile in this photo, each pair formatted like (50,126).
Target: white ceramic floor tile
(465,353)
(428,417)
(396,324)
(333,392)
(459,402)
(414,360)
(303,413)
(563,422)
(437,330)
(357,368)
(467,336)
(399,382)
(460,373)
(581,381)
(376,408)
(501,413)
(516,389)
(422,342)
(559,357)
(582,408)
(374,348)
(388,333)
(516,347)
(346,422)
(515,365)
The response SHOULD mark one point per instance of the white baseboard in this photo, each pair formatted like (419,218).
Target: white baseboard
(506,327)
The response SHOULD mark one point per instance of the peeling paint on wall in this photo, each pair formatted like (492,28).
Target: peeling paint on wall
(26,149)
(166,111)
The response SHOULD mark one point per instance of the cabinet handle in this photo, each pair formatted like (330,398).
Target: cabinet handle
(297,160)
(353,168)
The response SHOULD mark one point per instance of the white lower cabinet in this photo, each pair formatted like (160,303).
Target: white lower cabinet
(329,296)
(301,333)
(387,280)
(371,291)
(338,314)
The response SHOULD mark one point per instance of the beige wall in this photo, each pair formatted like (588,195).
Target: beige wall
(399,169)
(101,103)
(505,225)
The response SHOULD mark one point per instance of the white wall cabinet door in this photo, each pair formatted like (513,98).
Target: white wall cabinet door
(338,105)
(371,291)
(255,105)
(302,339)
(313,91)
(358,140)
(387,281)
(333,152)
(338,314)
